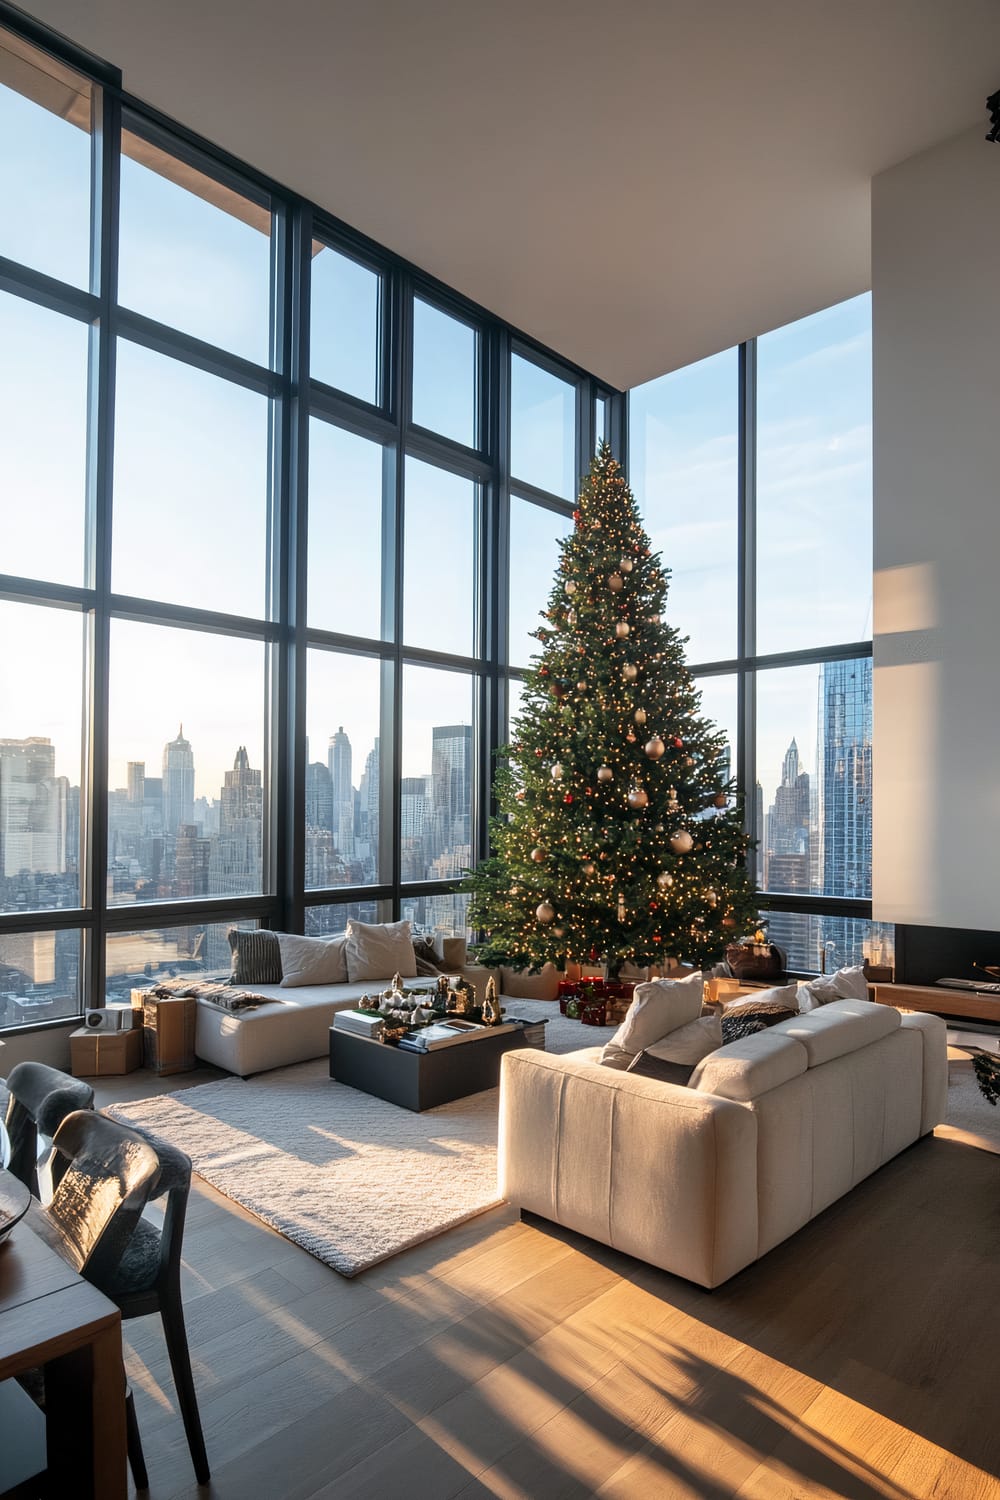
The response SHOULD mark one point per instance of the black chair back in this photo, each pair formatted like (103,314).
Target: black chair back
(40,1099)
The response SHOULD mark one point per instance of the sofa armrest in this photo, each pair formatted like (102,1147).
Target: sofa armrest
(934,1097)
(663,1173)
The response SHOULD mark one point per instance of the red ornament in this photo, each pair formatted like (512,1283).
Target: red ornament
(657,938)
(543,671)
(568,797)
(519,796)
(677,742)
(538,752)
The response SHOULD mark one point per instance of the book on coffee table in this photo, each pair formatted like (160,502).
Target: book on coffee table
(448,1034)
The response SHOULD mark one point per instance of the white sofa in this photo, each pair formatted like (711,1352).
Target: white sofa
(703,1180)
(294,1027)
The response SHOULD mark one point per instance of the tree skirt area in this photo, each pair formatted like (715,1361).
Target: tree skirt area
(970,1118)
(350,1178)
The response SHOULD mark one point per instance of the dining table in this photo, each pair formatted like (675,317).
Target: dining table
(52,1319)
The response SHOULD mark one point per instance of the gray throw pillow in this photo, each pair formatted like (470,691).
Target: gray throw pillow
(256,957)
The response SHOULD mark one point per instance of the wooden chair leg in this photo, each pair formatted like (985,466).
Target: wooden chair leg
(180,1363)
(137,1462)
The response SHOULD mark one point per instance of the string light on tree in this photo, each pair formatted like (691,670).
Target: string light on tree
(586,859)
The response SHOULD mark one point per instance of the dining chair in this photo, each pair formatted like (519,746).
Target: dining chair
(147,1279)
(94,1221)
(39,1100)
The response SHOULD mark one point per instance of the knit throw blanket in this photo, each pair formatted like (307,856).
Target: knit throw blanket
(213,991)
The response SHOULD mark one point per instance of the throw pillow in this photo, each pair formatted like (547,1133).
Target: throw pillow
(660,1068)
(452,953)
(256,957)
(675,1057)
(783,998)
(426,953)
(735,1028)
(307,960)
(659,1006)
(846,984)
(378,950)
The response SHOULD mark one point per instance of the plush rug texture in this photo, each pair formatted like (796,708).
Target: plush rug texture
(350,1178)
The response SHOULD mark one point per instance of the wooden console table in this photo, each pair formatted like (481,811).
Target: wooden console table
(938,1000)
(50,1316)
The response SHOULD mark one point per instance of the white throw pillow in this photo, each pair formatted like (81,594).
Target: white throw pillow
(658,1006)
(306,960)
(690,1043)
(846,984)
(378,950)
(780,998)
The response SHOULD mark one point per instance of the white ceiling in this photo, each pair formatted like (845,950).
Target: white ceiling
(635,184)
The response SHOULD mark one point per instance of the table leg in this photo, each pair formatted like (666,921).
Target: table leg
(85,1419)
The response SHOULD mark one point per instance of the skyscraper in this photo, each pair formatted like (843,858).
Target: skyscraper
(341,793)
(449,832)
(844,757)
(241,824)
(319,796)
(787,864)
(33,808)
(178,783)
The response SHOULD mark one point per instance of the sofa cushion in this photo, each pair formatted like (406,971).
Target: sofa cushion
(846,984)
(840,1027)
(256,957)
(658,1007)
(308,960)
(675,1057)
(374,949)
(746,1069)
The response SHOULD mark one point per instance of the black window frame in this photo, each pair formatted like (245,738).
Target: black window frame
(296,396)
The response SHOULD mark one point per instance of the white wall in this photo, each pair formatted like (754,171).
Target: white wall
(936,336)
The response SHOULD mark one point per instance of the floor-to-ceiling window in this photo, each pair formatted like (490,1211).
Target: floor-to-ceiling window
(753,469)
(278,513)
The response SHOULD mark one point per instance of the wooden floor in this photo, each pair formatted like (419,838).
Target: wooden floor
(505,1359)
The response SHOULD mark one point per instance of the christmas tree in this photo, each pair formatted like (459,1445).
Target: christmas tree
(618,833)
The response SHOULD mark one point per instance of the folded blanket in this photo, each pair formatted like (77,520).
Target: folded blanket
(216,992)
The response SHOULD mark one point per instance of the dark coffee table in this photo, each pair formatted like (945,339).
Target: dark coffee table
(420,1080)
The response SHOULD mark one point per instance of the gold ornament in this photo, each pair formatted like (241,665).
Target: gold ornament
(571,617)
(538,855)
(664,881)
(655,747)
(640,716)
(681,841)
(545,911)
(654,619)
(630,672)
(637,798)
(558,932)
(557,772)
(616,583)
(571,587)
(622,630)
(626,565)
(581,686)
(604,773)
(589,868)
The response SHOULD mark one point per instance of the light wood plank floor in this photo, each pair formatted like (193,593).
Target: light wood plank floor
(512,1359)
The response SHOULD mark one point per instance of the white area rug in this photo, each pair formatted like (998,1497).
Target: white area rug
(351,1179)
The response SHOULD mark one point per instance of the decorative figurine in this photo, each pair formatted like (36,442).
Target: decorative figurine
(491,1005)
